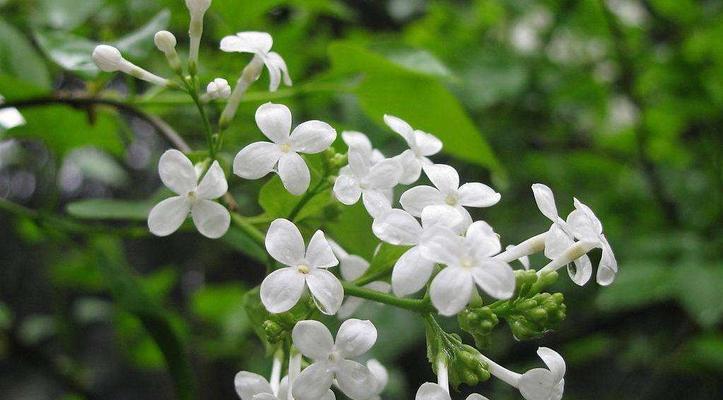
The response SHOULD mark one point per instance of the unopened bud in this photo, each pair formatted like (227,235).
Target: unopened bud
(218,89)
(108,58)
(165,41)
(198,7)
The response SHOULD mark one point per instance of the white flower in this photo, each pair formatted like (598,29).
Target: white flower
(259,44)
(412,271)
(218,89)
(432,391)
(586,226)
(544,384)
(250,386)
(352,267)
(165,41)
(559,237)
(109,59)
(282,155)
(372,182)
(469,261)
(362,142)
(421,145)
(448,192)
(179,175)
(331,360)
(307,267)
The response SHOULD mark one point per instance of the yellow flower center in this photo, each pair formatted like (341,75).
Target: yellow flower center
(285,148)
(451,200)
(303,268)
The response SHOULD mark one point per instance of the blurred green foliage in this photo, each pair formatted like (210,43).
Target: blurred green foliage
(617,102)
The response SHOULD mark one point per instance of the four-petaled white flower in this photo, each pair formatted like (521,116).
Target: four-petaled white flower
(432,391)
(469,261)
(421,145)
(179,175)
(283,288)
(331,360)
(259,44)
(412,271)
(372,182)
(560,237)
(586,226)
(282,155)
(362,142)
(448,192)
(352,267)
(544,384)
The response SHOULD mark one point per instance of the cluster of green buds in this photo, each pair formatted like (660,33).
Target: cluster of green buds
(275,328)
(532,317)
(478,322)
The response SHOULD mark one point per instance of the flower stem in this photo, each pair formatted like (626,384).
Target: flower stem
(420,306)
(253,232)
(307,197)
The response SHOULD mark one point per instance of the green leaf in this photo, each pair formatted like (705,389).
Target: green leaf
(19,59)
(415,60)
(108,209)
(71,52)
(384,259)
(351,230)
(699,292)
(637,285)
(278,202)
(66,14)
(241,242)
(420,99)
(138,43)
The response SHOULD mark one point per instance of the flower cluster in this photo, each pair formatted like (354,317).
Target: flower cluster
(440,248)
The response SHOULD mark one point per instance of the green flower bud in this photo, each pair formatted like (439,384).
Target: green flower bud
(478,322)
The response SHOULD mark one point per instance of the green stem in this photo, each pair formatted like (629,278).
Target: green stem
(193,92)
(307,197)
(420,306)
(254,233)
(373,277)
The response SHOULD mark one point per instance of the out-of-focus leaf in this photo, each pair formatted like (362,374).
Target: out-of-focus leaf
(66,14)
(220,303)
(18,58)
(12,88)
(384,258)
(637,285)
(137,44)
(421,100)
(109,209)
(699,291)
(6,317)
(278,202)
(88,310)
(159,283)
(351,230)
(415,60)
(71,52)
(235,15)
(37,328)
(240,241)
(705,351)
(489,78)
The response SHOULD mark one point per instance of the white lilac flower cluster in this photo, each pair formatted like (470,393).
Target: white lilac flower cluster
(445,250)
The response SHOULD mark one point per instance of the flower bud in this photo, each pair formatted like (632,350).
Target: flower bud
(218,89)
(466,366)
(478,322)
(198,7)
(165,41)
(108,58)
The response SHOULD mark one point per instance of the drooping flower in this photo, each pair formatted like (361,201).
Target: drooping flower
(447,192)
(586,226)
(362,142)
(306,268)
(372,182)
(166,43)
(544,384)
(282,154)
(432,391)
(331,359)
(560,237)
(469,261)
(259,44)
(412,271)
(218,89)
(421,145)
(179,175)
(353,267)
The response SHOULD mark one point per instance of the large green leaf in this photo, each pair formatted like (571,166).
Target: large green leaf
(277,202)
(109,209)
(138,43)
(19,59)
(71,52)
(66,14)
(421,99)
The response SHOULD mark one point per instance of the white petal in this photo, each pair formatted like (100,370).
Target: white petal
(584,223)
(478,195)
(411,272)
(355,380)
(312,137)
(355,337)
(274,120)
(213,185)
(545,201)
(451,290)
(381,375)
(554,361)
(319,254)
(415,199)
(313,382)
(482,240)
(400,126)
(210,218)
(411,167)
(265,396)
(376,202)
(384,175)
(397,227)
(608,266)
(353,267)
(326,290)
(249,384)
(256,160)
(496,278)
(313,339)
(431,391)
(346,189)
(582,271)
(285,243)
(167,216)
(556,241)
(294,173)
(444,177)
(443,215)
(278,62)
(357,139)
(442,245)
(349,307)
(475,396)
(282,289)
(177,172)
(247,42)
(427,144)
